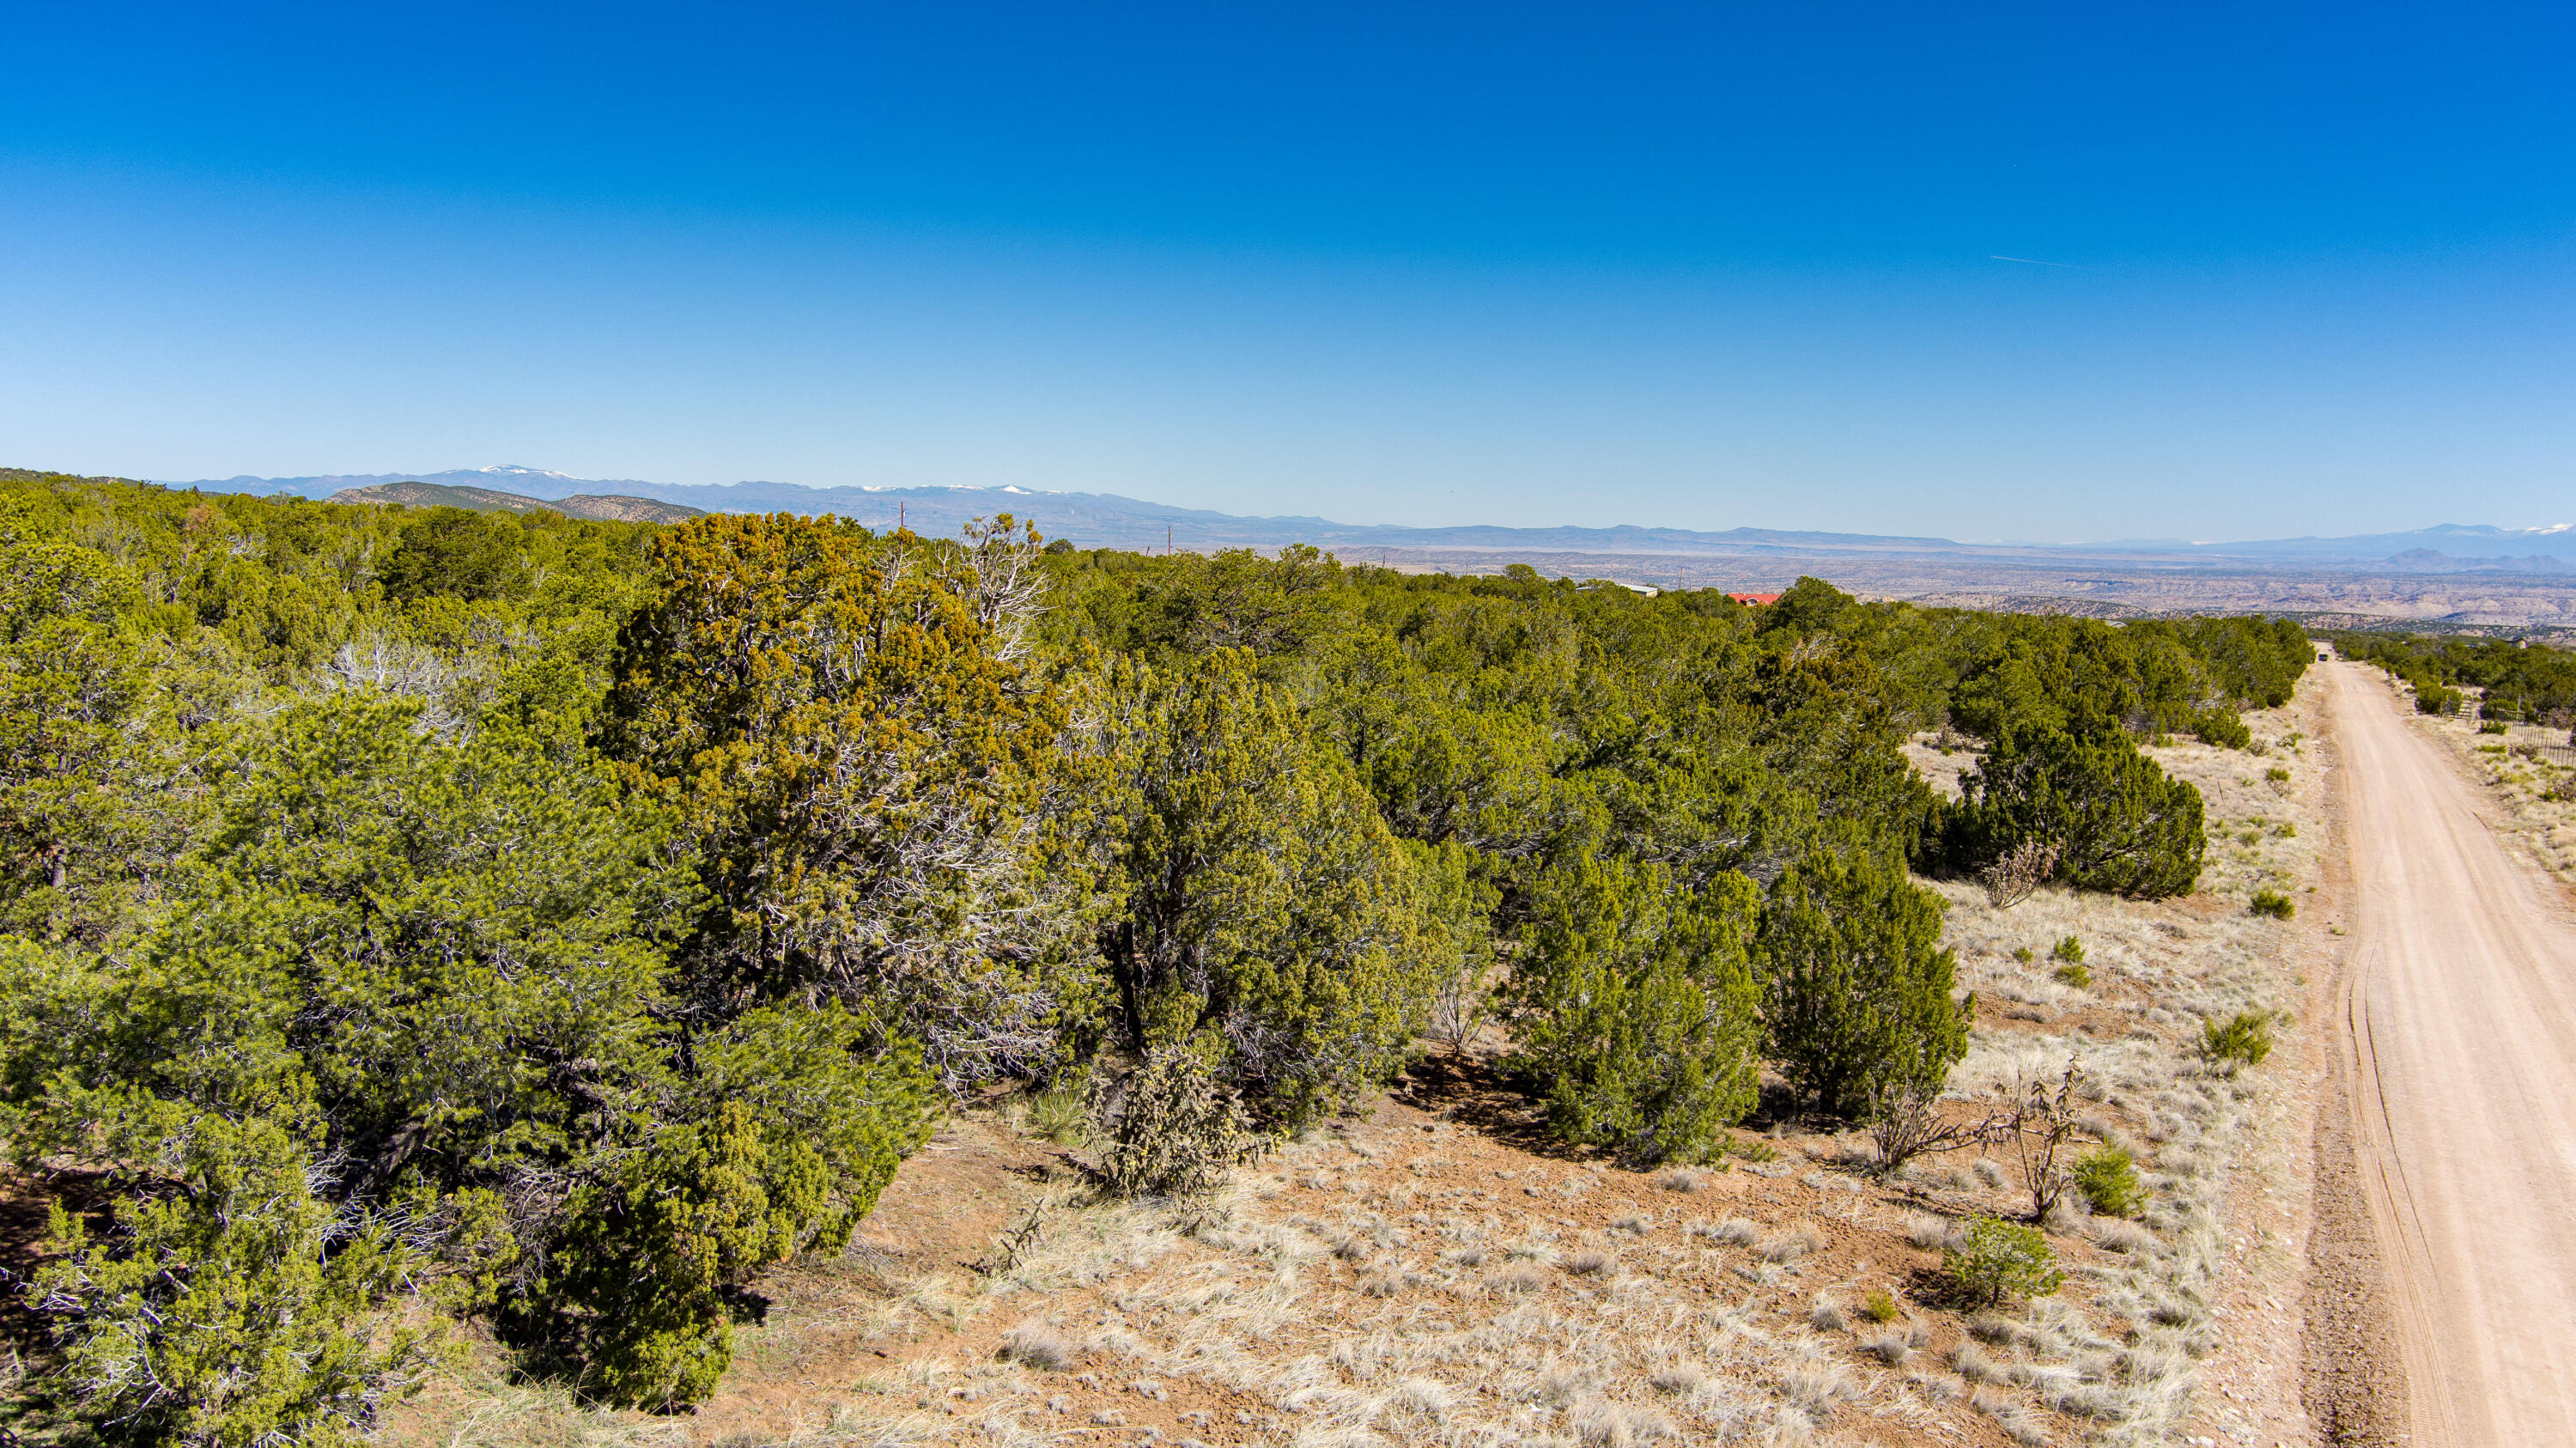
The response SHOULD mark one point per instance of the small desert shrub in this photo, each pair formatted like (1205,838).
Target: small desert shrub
(2069,950)
(1752,1149)
(1792,1243)
(2286,831)
(2277,775)
(2074,975)
(2272,903)
(1903,1125)
(1055,1115)
(2020,872)
(1880,1306)
(2222,728)
(2024,954)
(1996,1260)
(1036,1345)
(2243,1039)
(2108,1177)
(1172,1129)
(2492,726)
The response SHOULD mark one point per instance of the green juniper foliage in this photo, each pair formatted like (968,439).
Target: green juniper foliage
(1636,1009)
(415,916)
(1996,1261)
(2108,1177)
(1856,983)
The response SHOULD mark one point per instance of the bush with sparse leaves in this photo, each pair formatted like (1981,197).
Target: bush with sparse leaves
(1170,1127)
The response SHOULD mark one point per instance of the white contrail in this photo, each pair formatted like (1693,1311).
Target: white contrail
(2032,261)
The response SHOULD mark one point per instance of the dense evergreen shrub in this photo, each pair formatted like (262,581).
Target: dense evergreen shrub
(2123,826)
(1855,982)
(1634,1009)
(1267,907)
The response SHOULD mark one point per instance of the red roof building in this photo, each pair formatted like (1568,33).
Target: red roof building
(1754,600)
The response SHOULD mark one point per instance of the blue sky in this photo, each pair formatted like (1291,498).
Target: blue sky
(2314,268)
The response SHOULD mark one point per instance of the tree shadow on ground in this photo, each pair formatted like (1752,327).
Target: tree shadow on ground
(1475,1092)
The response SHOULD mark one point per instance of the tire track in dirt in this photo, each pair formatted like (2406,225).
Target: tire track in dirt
(2455,1135)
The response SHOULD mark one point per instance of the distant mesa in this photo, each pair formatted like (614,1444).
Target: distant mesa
(2433,560)
(609,507)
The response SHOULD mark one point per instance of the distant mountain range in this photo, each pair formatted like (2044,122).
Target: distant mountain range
(1095,520)
(486,500)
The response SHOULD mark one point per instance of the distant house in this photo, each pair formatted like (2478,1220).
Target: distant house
(1755,600)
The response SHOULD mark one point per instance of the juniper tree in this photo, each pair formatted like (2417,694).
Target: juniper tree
(2122,825)
(1855,982)
(1634,1008)
(1266,906)
(859,761)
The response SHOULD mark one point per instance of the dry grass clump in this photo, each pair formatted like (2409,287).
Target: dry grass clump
(1927,1233)
(1600,1423)
(1816,1389)
(1683,1179)
(1891,1348)
(1674,1379)
(1826,1315)
(1970,1362)
(1035,1344)
(2114,1234)
(1792,1243)
(1591,1264)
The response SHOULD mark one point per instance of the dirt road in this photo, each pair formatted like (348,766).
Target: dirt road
(2460,1017)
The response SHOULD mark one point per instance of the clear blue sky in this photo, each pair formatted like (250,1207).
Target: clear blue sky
(2313,269)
